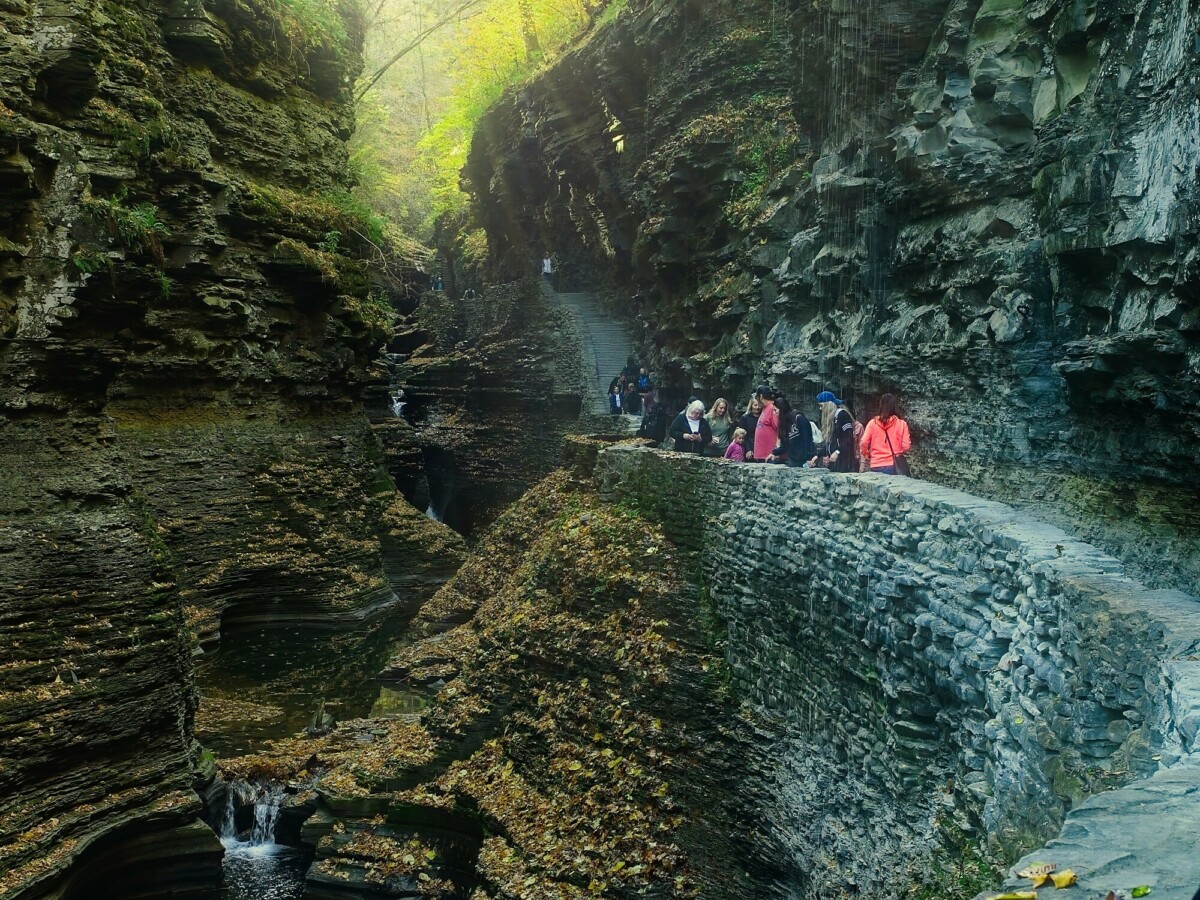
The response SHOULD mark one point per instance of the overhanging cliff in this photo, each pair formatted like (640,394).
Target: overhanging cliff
(985,207)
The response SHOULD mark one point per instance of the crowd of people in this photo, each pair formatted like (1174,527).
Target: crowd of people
(770,429)
(631,391)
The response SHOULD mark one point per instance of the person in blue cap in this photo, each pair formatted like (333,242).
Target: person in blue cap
(837,428)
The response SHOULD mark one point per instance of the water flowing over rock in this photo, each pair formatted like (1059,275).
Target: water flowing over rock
(984,207)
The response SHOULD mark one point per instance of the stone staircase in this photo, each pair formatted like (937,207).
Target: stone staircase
(606,345)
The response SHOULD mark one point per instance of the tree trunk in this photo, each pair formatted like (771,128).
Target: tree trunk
(529,30)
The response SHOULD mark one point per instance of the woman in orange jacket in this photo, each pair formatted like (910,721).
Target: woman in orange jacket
(885,438)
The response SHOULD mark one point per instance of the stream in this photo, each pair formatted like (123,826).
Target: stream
(263,683)
(255,866)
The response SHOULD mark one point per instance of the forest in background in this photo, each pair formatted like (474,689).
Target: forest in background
(431,69)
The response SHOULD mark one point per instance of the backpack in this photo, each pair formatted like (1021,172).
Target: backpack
(801,447)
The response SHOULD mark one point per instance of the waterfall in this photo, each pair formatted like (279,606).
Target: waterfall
(255,867)
(432,513)
(398,403)
(266,814)
(265,798)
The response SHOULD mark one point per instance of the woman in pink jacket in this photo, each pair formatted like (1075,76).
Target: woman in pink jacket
(885,438)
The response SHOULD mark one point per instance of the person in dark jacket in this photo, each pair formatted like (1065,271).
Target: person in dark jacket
(801,447)
(654,423)
(615,399)
(786,417)
(633,400)
(837,427)
(631,370)
(690,430)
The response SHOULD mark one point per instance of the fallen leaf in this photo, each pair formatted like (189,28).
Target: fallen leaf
(1141,890)
(1038,873)
(1015,895)
(1064,879)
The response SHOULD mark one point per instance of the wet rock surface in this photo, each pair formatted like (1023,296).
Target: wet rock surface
(491,387)
(981,207)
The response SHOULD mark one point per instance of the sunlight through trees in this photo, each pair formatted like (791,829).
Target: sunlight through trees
(431,70)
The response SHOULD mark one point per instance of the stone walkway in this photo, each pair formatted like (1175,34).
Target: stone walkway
(606,345)
(1145,834)
(1043,663)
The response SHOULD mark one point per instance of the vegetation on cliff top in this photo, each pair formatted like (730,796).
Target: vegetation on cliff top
(456,58)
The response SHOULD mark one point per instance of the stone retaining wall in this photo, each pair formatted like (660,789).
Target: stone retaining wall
(935,669)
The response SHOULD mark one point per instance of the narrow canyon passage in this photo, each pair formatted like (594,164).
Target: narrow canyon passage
(329,569)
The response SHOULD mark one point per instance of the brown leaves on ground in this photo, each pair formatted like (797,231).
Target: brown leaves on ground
(559,664)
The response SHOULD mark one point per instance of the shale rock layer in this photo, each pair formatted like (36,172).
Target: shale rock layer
(984,207)
(186,325)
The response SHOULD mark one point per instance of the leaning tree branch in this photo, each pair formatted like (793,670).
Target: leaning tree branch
(416,42)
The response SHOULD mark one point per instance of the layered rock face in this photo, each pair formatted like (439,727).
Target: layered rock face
(186,325)
(945,675)
(984,207)
(580,739)
(492,386)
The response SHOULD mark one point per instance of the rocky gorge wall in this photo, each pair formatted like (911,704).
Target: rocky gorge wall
(945,675)
(579,738)
(985,206)
(187,324)
(491,386)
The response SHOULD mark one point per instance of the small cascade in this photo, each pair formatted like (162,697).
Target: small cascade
(265,799)
(398,402)
(255,866)
(432,513)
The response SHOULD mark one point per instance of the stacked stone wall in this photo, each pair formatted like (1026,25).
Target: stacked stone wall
(939,670)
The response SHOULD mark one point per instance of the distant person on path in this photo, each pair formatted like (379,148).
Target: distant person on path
(766,433)
(690,431)
(615,399)
(649,402)
(654,422)
(721,423)
(633,400)
(886,440)
(748,422)
(630,371)
(548,268)
(470,294)
(438,284)
(735,450)
(643,382)
(837,429)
